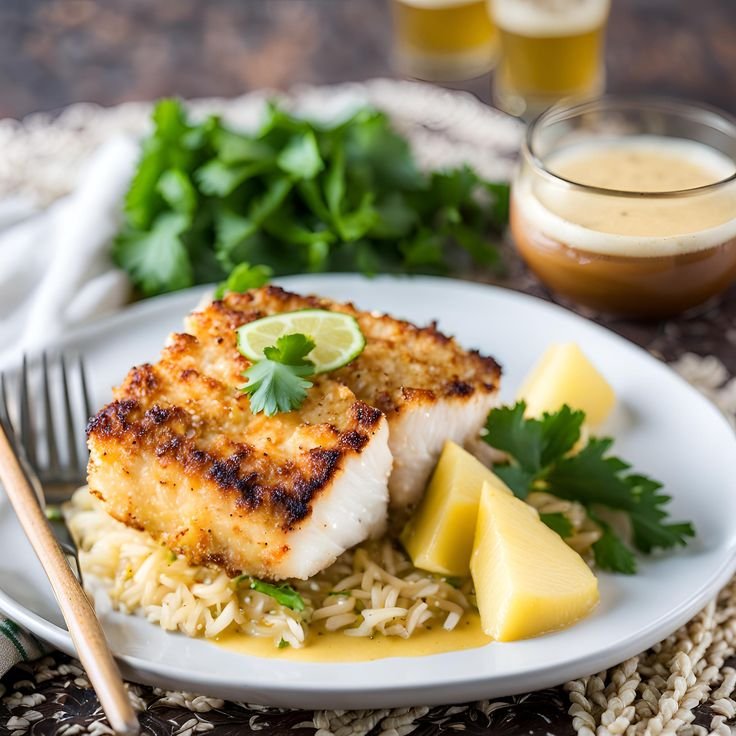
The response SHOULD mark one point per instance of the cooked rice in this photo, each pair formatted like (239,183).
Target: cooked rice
(369,590)
(585,533)
(373,589)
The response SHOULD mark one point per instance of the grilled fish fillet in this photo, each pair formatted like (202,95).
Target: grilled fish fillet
(429,388)
(179,454)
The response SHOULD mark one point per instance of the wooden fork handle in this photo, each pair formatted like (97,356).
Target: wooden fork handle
(82,622)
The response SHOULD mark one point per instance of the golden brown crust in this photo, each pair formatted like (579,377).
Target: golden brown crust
(288,489)
(180,432)
(402,364)
(179,453)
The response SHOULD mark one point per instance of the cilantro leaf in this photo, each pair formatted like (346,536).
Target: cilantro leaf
(244,277)
(177,190)
(283,644)
(300,157)
(277,383)
(167,148)
(283,594)
(424,248)
(518,479)
(219,179)
(335,180)
(157,261)
(231,231)
(274,387)
(539,458)
(612,554)
(533,443)
(648,516)
(235,149)
(291,350)
(591,476)
(522,439)
(560,432)
(354,225)
(558,523)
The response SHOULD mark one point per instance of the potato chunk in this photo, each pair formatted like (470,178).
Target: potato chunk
(564,375)
(439,537)
(527,580)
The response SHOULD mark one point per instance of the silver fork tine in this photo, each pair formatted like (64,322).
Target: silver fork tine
(52,447)
(4,414)
(85,390)
(87,405)
(27,434)
(69,416)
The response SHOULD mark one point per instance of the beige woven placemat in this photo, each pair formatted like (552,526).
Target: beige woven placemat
(654,693)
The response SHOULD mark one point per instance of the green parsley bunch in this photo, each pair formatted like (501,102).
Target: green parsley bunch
(295,197)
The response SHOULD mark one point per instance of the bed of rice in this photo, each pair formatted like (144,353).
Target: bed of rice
(373,589)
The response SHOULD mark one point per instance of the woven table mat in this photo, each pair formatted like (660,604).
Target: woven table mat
(683,685)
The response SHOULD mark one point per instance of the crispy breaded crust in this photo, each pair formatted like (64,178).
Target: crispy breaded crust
(402,364)
(429,387)
(179,454)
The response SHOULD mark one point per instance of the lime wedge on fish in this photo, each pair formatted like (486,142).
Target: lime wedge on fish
(336,336)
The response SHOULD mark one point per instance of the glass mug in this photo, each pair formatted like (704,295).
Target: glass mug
(550,49)
(443,40)
(629,205)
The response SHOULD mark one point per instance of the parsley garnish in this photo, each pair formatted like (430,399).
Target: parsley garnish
(244,277)
(283,644)
(539,459)
(454,581)
(283,594)
(557,523)
(277,383)
(296,197)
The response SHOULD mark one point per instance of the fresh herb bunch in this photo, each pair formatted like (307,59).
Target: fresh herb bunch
(278,381)
(540,459)
(296,196)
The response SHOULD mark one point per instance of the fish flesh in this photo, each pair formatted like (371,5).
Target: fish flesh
(429,388)
(179,454)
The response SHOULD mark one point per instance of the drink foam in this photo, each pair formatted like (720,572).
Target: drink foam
(652,226)
(549,18)
(437,4)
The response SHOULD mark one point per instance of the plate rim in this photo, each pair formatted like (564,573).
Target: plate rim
(146,670)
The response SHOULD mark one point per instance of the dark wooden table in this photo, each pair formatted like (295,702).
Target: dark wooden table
(56,52)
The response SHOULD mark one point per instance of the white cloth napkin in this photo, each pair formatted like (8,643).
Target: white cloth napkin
(55,267)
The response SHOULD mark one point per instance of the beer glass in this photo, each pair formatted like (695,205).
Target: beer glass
(550,49)
(443,40)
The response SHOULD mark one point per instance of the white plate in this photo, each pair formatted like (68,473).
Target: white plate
(662,425)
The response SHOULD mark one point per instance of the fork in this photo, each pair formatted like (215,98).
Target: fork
(59,476)
(20,455)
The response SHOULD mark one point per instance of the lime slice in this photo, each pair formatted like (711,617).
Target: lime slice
(337,337)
